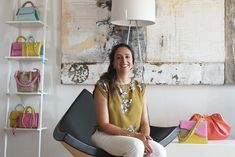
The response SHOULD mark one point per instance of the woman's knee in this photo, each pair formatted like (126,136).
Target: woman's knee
(136,147)
(138,144)
(158,150)
(161,151)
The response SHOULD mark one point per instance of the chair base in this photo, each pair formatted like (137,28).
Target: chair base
(75,152)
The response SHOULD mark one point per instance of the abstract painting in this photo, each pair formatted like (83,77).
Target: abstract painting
(184,47)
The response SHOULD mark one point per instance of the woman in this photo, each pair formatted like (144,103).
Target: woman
(122,120)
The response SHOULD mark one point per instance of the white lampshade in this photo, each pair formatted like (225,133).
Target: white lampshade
(125,11)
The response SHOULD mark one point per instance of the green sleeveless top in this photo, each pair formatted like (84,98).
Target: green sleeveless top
(125,104)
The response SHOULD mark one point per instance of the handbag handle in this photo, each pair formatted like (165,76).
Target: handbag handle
(20,37)
(37,77)
(32,113)
(192,131)
(19,107)
(28,2)
(31,38)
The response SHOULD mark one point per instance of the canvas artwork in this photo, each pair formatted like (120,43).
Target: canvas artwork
(181,48)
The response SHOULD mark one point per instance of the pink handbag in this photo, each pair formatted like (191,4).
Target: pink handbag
(17,46)
(28,119)
(193,131)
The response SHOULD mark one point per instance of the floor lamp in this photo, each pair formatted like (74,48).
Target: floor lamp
(137,13)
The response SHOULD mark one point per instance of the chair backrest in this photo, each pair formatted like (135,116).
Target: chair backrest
(80,119)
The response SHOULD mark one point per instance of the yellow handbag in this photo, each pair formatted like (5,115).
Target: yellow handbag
(32,47)
(14,115)
(193,132)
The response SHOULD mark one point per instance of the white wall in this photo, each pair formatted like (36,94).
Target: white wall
(167,104)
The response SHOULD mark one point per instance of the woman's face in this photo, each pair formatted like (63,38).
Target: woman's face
(123,61)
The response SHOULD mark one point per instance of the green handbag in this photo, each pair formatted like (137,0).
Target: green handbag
(27,13)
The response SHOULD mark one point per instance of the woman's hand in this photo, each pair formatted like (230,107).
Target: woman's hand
(148,148)
(145,139)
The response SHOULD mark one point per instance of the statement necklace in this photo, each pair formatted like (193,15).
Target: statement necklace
(125,93)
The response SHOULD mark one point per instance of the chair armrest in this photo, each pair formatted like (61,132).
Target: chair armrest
(164,135)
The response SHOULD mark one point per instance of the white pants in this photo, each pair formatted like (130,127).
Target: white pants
(125,146)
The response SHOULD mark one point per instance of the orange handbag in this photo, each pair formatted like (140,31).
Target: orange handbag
(217,127)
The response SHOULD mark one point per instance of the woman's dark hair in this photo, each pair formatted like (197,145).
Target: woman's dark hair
(110,75)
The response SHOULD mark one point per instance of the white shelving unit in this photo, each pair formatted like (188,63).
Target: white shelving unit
(26,23)
(39,61)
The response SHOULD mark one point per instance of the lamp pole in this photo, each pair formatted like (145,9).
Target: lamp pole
(136,13)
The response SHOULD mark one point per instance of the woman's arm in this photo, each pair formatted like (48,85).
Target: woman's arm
(103,114)
(144,126)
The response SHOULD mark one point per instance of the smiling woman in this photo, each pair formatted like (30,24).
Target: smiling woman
(121,108)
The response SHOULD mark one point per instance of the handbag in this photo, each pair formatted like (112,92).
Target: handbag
(28,119)
(27,81)
(193,131)
(218,128)
(14,115)
(32,48)
(18,47)
(27,13)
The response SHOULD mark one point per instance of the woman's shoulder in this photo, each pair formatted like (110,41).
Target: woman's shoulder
(103,84)
(141,86)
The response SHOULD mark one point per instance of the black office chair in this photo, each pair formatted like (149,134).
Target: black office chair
(75,128)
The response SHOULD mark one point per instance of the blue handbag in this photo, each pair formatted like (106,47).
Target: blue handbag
(27,13)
